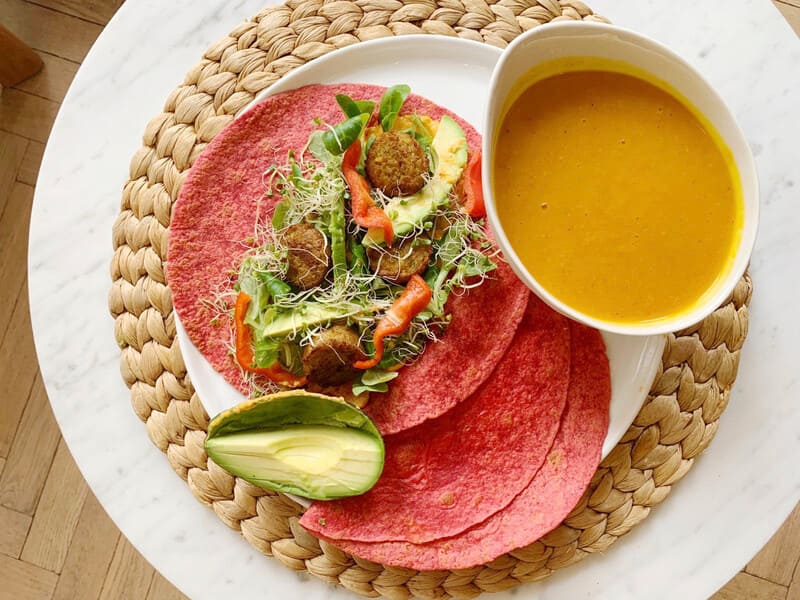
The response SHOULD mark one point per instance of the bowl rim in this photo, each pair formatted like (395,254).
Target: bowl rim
(745,166)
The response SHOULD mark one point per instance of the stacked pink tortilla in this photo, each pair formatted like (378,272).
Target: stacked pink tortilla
(491,436)
(531,485)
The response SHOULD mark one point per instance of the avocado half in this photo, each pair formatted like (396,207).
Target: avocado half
(297,442)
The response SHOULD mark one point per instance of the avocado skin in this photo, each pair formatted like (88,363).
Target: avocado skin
(284,410)
(292,407)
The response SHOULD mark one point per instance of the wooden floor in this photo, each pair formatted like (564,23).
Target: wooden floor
(56,541)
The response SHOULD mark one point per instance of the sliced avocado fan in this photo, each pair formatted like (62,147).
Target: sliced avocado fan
(298,442)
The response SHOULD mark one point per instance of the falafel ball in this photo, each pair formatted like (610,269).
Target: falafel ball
(396,164)
(328,359)
(309,255)
(399,263)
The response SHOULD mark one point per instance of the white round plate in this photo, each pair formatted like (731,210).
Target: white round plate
(454,73)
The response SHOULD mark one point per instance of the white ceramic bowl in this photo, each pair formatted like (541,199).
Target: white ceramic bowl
(565,39)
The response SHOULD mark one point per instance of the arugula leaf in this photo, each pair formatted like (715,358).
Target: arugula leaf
(353,108)
(258,299)
(317,148)
(377,376)
(455,254)
(261,287)
(391,103)
(265,351)
(274,286)
(473,264)
(340,137)
(359,388)
(279,215)
(373,380)
(358,257)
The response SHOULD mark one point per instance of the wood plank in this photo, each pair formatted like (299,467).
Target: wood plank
(16,348)
(22,581)
(789,2)
(777,560)
(57,513)
(14,243)
(13,529)
(12,153)
(96,11)
(31,453)
(794,587)
(748,587)
(48,30)
(2,465)
(791,13)
(27,115)
(162,589)
(129,575)
(89,554)
(29,169)
(53,80)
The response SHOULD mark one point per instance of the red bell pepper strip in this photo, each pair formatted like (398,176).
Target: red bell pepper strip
(244,349)
(397,319)
(365,212)
(473,188)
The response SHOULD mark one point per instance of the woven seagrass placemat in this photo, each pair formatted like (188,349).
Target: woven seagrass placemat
(676,423)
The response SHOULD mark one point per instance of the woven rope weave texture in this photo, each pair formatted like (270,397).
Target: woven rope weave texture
(677,422)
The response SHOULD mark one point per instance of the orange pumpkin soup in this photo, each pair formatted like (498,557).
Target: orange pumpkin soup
(620,199)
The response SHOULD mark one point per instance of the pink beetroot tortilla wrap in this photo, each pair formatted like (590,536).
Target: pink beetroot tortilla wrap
(451,370)
(447,474)
(216,212)
(550,496)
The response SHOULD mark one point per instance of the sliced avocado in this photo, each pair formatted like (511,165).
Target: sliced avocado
(315,461)
(302,317)
(406,212)
(298,442)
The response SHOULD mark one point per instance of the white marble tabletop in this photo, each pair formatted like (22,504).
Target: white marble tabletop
(734,498)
